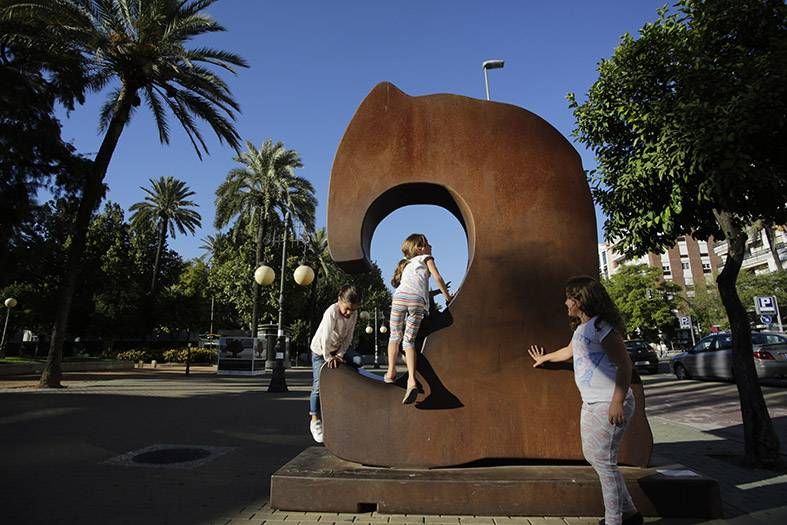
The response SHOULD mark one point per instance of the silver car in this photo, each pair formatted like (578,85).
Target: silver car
(712,356)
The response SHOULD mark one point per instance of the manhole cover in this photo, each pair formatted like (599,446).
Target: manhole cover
(168,456)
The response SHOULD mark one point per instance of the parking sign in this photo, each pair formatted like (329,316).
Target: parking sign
(685,321)
(765,304)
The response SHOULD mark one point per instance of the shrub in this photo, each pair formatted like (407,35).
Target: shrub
(132,355)
(198,355)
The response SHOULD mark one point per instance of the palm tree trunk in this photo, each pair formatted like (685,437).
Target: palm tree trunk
(255,309)
(761,444)
(92,193)
(162,238)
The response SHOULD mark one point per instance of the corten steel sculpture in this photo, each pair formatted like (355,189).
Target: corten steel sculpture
(517,187)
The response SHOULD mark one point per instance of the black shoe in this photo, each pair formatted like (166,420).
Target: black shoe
(634,519)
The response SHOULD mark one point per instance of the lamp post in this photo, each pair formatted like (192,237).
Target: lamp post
(264,275)
(490,64)
(9,303)
(378,329)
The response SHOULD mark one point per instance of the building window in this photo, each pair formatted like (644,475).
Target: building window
(706,267)
(666,269)
(684,265)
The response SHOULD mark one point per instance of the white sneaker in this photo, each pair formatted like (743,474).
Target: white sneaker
(316,428)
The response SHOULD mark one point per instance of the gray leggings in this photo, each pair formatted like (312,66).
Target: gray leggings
(600,441)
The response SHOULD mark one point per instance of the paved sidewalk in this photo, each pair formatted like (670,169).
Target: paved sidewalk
(61,447)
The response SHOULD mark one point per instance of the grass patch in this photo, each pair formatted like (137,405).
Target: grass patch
(15,360)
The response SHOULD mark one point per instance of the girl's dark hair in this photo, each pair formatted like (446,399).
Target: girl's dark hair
(350,294)
(594,301)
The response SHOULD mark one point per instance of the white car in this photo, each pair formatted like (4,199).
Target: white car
(711,357)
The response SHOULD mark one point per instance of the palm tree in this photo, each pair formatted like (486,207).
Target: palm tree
(262,192)
(140,47)
(165,210)
(211,245)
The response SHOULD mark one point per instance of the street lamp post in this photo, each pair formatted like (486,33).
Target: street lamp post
(264,275)
(378,329)
(278,381)
(9,303)
(490,64)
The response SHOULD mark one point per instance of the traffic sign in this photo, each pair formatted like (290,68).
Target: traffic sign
(685,321)
(765,304)
(766,319)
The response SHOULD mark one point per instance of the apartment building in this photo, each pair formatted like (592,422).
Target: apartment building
(759,256)
(689,263)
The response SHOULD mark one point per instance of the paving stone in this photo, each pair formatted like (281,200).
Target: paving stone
(550,520)
(403,518)
(476,520)
(277,522)
(441,520)
(582,521)
(309,522)
(266,516)
(236,521)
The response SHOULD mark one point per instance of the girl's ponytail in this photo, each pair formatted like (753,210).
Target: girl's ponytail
(397,276)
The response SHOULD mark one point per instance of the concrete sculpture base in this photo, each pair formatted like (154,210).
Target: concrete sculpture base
(317,481)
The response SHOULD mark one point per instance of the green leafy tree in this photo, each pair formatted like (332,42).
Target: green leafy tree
(774,283)
(140,47)
(645,300)
(35,77)
(186,304)
(688,124)
(707,309)
(262,192)
(166,209)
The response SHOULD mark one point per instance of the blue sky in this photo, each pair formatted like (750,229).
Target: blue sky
(313,62)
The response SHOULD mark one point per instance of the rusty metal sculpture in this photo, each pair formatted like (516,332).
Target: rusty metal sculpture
(517,187)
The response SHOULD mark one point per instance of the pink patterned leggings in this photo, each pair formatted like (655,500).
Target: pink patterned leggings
(600,441)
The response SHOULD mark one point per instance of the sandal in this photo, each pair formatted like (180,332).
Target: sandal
(410,395)
(388,380)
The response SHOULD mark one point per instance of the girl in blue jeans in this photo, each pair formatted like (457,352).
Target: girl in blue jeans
(602,372)
(329,345)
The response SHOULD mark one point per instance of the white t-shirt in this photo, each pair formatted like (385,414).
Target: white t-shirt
(415,277)
(334,334)
(594,372)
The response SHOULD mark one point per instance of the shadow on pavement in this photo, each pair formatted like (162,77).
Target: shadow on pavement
(56,446)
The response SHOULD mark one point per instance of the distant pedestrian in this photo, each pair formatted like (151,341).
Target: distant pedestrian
(329,345)
(410,304)
(602,372)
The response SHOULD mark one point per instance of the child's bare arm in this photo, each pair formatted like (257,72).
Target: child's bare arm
(438,279)
(538,355)
(615,349)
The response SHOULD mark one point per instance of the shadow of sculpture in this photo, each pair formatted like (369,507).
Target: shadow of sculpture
(517,188)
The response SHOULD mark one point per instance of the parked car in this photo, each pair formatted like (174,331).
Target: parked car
(643,355)
(711,357)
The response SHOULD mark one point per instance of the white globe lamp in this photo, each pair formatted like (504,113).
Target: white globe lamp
(264,275)
(369,329)
(383,329)
(303,275)
(10,302)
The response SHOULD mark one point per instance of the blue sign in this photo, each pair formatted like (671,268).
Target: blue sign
(765,304)
(766,319)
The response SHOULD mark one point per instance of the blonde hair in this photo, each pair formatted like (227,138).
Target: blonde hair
(412,246)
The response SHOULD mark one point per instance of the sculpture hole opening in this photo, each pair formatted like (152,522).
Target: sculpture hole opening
(445,234)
